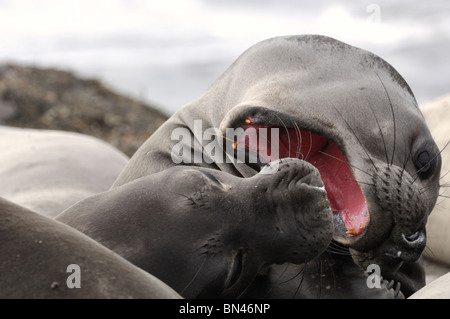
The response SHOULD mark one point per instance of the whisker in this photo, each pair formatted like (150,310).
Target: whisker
(393,118)
(416,175)
(338,245)
(303,271)
(338,249)
(443,176)
(287,131)
(357,137)
(430,251)
(277,281)
(426,188)
(349,179)
(356,181)
(338,252)
(342,161)
(293,277)
(411,145)
(381,132)
(299,138)
(194,277)
(332,272)
(406,155)
(221,135)
(310,145)
(249,284)
(441,186)
(319,263)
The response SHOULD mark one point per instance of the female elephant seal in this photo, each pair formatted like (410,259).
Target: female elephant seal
(344,110)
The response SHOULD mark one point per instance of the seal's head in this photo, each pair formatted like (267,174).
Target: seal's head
(285,217)
(350,114)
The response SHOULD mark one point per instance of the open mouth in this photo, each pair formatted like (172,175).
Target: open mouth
(347,202)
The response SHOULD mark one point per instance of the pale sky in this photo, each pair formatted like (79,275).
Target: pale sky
(144,47)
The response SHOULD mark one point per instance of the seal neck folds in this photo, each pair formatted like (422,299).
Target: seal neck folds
(344,194)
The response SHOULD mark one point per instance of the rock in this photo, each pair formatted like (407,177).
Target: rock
(31,97)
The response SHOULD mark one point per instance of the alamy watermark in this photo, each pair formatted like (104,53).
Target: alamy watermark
(374,278)
(251,145)
(374,11)
(73,280)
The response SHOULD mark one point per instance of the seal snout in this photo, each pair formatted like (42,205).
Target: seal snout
(400,215)
(412,245)
(397,193)
(301,218)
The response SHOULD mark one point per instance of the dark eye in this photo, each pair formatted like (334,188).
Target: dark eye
(425,161)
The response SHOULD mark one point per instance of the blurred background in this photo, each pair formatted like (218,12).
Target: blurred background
(167,53)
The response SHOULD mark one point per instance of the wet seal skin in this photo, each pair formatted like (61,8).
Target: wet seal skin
(342,110)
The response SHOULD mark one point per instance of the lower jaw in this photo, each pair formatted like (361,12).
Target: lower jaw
(340,230)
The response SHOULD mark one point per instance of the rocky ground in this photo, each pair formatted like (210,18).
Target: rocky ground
(53,99)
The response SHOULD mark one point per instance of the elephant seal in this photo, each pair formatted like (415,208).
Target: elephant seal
(48,171)
(197,235)
(40,254)
(342,109)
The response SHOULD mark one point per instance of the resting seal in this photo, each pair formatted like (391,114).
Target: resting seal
(345,111)
(37,251)
(48,171)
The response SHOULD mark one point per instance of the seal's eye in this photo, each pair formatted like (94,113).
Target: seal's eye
(425,161)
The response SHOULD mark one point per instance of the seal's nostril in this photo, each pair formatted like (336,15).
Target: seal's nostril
(412,246)
(414,239)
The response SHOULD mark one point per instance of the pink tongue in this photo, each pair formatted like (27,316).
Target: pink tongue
(344,194)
